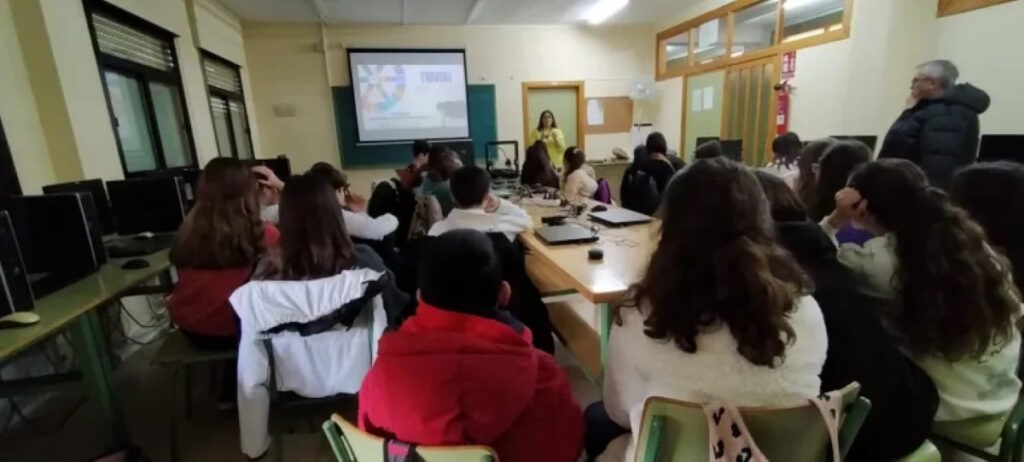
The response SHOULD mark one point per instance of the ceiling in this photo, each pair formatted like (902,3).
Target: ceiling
(519,12)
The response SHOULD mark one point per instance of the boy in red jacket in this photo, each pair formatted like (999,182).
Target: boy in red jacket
(463,371)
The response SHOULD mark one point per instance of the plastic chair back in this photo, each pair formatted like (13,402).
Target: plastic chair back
(674,430)
(350,444)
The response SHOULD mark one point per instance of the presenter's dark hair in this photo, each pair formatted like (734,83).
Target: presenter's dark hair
(540,121)
(460,271)
(442,163)
(470,186)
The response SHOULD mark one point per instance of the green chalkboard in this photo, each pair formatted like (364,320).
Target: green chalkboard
(483,127)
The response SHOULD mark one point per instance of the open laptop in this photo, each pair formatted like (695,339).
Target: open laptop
(566,234)
(619,217)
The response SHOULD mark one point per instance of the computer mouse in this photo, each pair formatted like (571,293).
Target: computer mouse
(19,319)
(595,254)
(599,208)
(135,263)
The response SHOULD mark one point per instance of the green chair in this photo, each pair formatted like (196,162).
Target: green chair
(927,452)
(350,444)
(972,436)
(674,430)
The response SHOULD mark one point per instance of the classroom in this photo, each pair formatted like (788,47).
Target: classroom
(482,230)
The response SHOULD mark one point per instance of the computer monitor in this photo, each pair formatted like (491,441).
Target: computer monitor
(464,148)
(280,165)
(705,139)
(869,140)
(732,149)
(99,199)
(141,205)
(1001,147)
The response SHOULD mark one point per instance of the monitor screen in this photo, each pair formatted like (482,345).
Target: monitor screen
(732,149)
(403,95)
(147,205)
(99,199)
(869,140)
(1001,147)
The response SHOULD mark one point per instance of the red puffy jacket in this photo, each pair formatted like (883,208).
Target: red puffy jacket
(453,378)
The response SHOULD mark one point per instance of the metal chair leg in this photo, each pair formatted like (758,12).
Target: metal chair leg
(188,393)
(173,424)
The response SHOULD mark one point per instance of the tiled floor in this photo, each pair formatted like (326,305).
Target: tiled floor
(210,436)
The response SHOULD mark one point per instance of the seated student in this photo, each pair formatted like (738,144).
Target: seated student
(786,148)
(579,179)
(991,193)
(476,208)
(659,165)
(955,305)
(312,296)
(537,167)
(411,176)
(722,312)
(462,371)
(837,163)
(215,251)
(903,397)
(441,166)
(708,150)
(357,222)
(807,164)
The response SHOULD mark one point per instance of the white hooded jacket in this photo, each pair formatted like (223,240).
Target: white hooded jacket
(316,366)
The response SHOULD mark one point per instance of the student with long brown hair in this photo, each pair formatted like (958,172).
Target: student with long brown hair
(991,193)
(320,299)
(954,304)
(722,312)
(807,181)
(537,167)
(215,251)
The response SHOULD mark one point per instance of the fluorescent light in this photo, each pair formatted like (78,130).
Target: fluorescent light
(796,3)
(604,9)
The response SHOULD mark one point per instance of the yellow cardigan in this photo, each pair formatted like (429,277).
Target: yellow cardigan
(555,143)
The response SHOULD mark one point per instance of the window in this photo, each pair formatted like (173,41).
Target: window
(710,41)
(754,28)
(227,105)
(676,52)
(9,185)
(143,88)
(807,18)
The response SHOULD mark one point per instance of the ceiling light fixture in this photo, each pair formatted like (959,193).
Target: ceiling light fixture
(603,10)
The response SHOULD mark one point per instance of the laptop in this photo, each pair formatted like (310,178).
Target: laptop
(619,217)
(566,234)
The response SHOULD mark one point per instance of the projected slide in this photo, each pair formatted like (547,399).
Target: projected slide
(409,95)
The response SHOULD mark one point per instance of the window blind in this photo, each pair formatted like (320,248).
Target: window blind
(122,41)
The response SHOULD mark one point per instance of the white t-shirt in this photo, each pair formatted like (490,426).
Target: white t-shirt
(508,218)
(358,225)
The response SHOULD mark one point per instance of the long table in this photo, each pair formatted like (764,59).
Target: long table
(75,308)
(626,253)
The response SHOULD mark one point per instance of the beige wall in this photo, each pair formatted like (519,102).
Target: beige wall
(290,73)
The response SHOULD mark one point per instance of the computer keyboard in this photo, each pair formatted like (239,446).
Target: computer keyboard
(137,246)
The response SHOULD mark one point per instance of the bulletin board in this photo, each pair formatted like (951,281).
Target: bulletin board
(614,114)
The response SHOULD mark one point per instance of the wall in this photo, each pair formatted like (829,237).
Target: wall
(985,44)
(289,72)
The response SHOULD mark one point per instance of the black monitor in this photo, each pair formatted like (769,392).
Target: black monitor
(732,149)
(705,139)
(464,148)
(99,199)
(280,165)
(869,140)
(141,205)
(1001,147)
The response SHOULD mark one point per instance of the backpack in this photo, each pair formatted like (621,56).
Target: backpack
(604,192)
(640,192)
(426,213)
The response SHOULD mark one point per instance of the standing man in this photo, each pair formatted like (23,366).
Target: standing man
(939,129)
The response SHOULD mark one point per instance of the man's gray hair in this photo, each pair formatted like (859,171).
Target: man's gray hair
(942,70)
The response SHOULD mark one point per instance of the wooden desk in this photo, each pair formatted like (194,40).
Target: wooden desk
(74,307)
(627,251)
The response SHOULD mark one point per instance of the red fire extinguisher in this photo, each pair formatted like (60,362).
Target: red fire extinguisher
(782,91)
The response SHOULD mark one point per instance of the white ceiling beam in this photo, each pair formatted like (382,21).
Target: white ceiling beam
(478,6)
